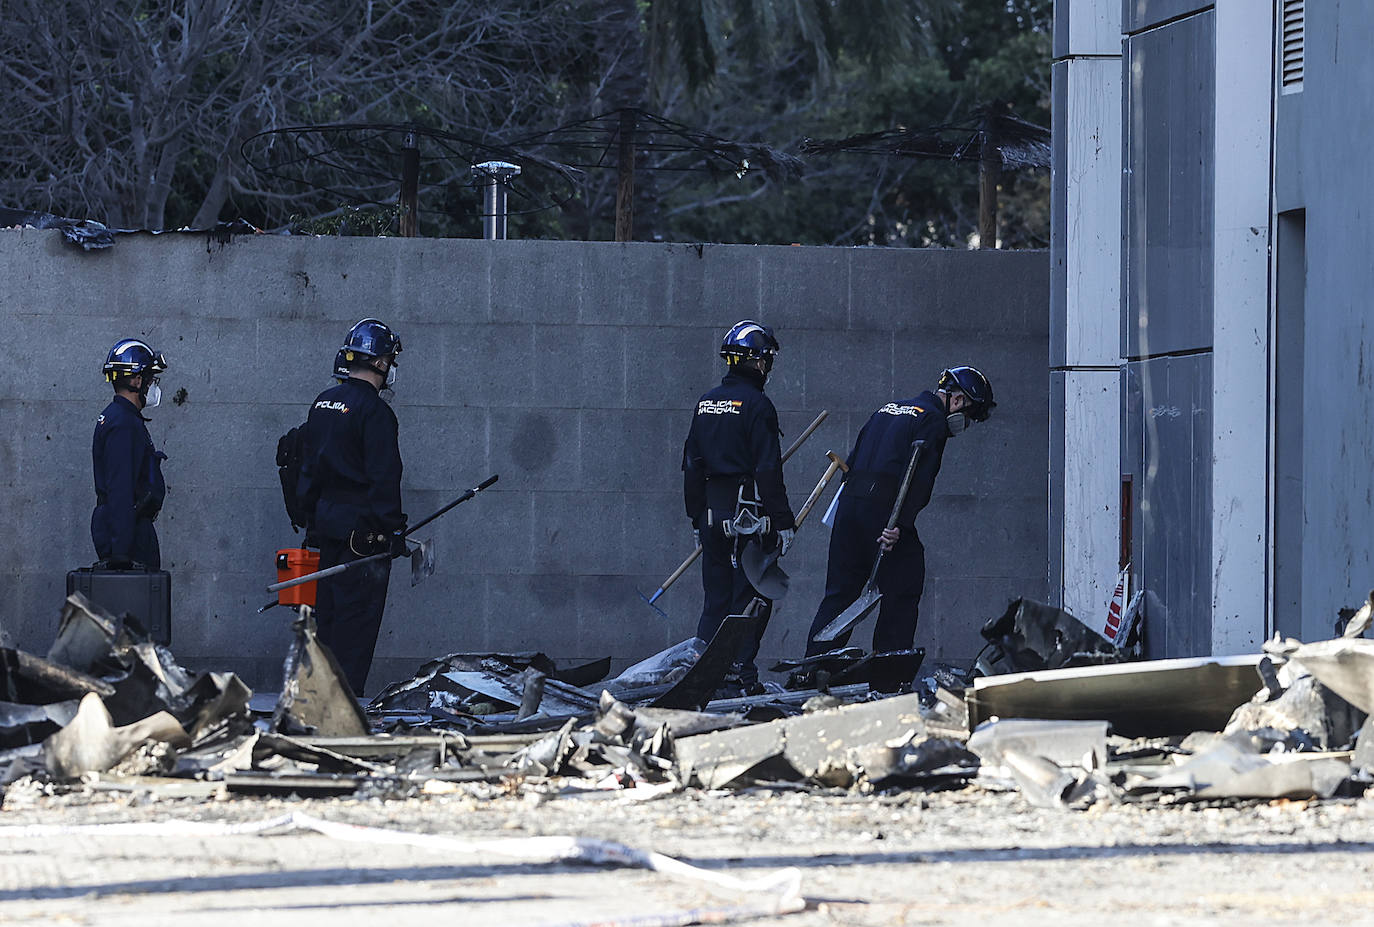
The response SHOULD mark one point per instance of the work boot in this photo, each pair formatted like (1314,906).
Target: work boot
(730,687)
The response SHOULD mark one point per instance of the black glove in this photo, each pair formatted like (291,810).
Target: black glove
(398,545)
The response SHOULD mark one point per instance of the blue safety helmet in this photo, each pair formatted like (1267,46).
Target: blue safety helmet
(340,366)
(369,340)
(749,339)
(129,357)
(971,382)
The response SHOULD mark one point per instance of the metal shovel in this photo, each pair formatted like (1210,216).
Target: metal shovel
(868,600)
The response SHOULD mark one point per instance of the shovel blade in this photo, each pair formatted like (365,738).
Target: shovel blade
(863,607)
(762,570)
(422,562)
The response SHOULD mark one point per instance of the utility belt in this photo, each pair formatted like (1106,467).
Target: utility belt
(737,496)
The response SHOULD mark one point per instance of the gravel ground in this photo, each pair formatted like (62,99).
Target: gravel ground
(967,856)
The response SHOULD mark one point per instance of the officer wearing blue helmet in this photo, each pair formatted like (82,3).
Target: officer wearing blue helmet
(869,491)
(129,489)
(350,491)
(733,485)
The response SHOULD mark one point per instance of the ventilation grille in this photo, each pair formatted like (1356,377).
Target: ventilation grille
(1293,19)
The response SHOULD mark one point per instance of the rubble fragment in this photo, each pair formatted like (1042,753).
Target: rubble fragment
(1031,636)
(91,742)
(1147,699)
(1345,665)
(315,697)
(804,747)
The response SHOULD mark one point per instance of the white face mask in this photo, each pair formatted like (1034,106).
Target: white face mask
(152,397)
(390,377)
(956,422)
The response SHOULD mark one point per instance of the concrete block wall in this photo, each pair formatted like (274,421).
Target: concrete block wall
(569,368)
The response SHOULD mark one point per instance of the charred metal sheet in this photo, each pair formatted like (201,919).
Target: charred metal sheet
(660,671)
(1231,769)
(1345,665)
(704,677)
(1067,743)
(91,742)
(413,693)
(315,698)
(1030,636)
(557,699)
(325,759)
(1304,711)
(21,725)
(1147,699)
(684,723)
(214,759)
(912,760)
(803,747)
(85,635)
(831,659)
(585,674)
(884,672)
(29,680)
(549,755)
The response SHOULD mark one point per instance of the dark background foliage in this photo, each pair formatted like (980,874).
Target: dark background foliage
(135,113)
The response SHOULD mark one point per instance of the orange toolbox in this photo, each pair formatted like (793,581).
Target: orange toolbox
(291,563)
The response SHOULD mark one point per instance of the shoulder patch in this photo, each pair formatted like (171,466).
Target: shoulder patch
(100,419)
(893,408)
(334,406)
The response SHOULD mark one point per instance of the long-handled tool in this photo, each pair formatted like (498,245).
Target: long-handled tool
(868,600)
(421,559)
(692,557)
(761,566)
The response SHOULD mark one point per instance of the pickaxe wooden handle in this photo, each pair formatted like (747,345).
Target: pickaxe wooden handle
(836,464)
(692,557)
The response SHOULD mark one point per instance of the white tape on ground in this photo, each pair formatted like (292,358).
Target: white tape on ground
(782,889)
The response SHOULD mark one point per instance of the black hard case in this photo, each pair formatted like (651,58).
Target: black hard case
(145,594)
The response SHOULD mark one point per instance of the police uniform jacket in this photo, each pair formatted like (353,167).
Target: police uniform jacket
(883,451)
(128,479)
(351,464)
(734,439)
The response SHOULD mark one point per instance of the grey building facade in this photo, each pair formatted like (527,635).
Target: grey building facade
(1208,264)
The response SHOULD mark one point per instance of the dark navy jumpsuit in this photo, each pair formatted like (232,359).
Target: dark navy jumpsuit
(129,490)
(733,443)
(876,467)
(351,481)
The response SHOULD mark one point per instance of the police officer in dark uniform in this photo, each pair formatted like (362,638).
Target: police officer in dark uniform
(733,485)
(350,489)
(129,489)
(876,467)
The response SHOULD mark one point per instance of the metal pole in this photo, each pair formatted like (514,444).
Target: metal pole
(497,176)
(410,187)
